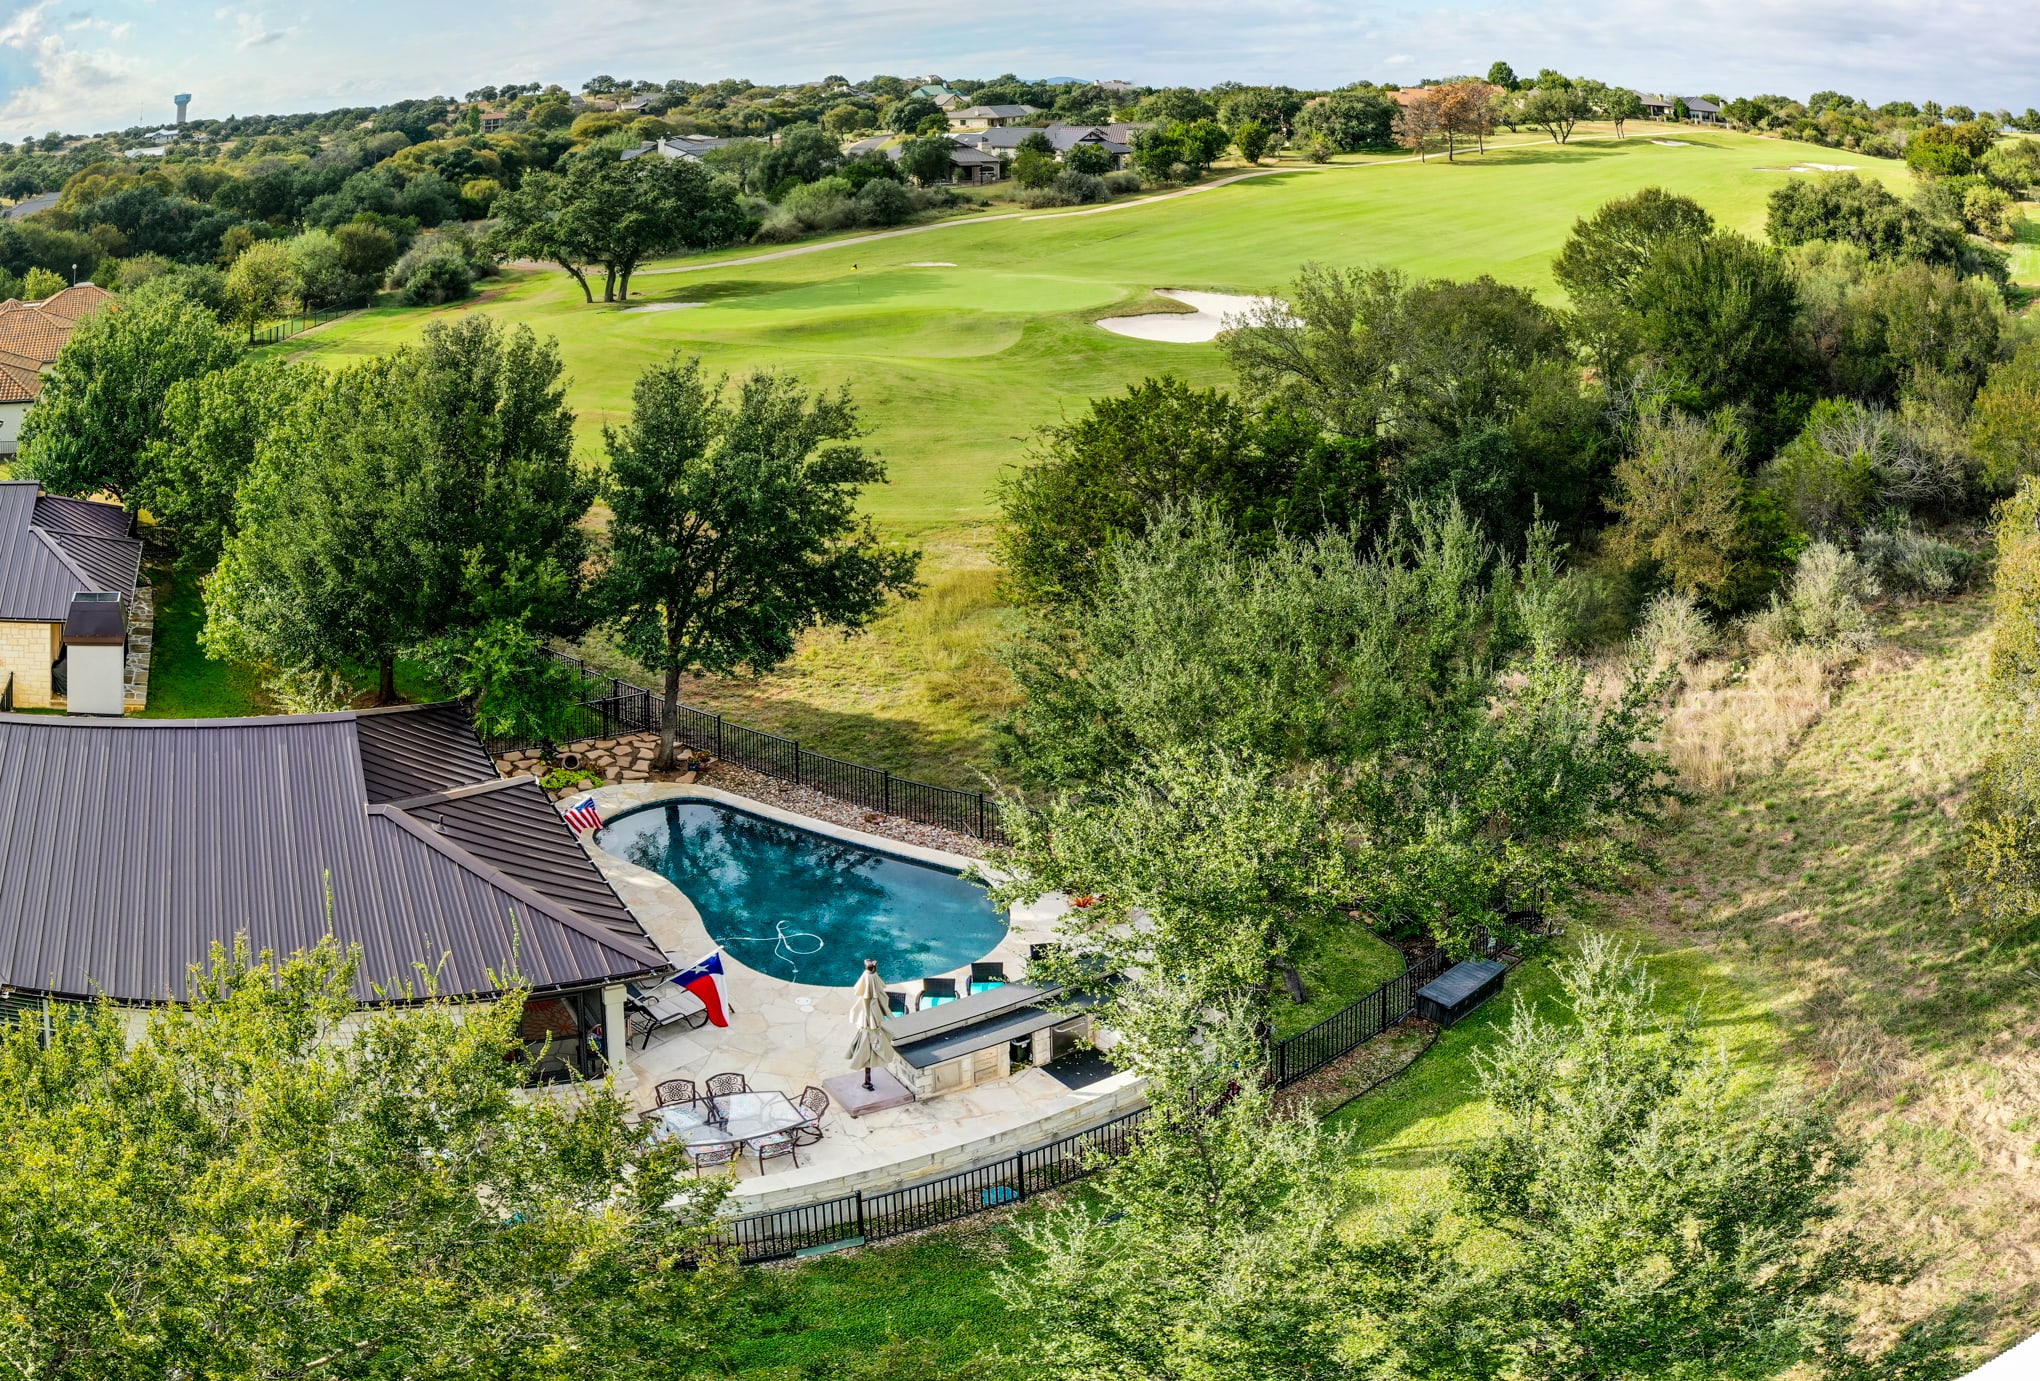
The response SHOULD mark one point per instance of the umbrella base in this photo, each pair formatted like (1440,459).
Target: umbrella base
(852,1097)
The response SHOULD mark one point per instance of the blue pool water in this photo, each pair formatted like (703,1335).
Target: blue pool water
(805,907)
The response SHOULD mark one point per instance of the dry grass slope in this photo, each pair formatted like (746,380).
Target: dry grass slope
(1819,884)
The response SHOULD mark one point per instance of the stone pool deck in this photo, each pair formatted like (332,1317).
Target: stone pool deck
(786,1036)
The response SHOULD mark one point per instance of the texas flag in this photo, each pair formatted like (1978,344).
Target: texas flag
(704,980)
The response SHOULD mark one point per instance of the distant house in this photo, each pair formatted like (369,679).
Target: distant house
(494,120)
(688,146)
(1005,140)
(1699,110)
(69,569)
(974,166)
(31,334)
(129,849)
(990,116)
(28,206)
(942,96)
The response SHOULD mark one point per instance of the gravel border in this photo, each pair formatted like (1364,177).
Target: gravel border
(805,801)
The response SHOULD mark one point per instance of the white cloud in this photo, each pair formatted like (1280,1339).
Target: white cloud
(97,70)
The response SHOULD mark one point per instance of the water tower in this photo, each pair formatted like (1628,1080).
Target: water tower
(183,103)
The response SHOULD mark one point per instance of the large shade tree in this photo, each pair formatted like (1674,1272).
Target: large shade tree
(735,527)
(102,402)
(271,1181)
(404,501)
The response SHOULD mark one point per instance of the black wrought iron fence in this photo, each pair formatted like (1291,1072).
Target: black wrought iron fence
(1352,1026)
(285,327)
(857,1218)
(609,707)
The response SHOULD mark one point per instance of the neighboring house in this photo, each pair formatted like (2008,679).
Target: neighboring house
(636,105)
(61,562)
(967,164)
(975,167)
(129,850)
(1699,110)
(494,120)
(1005,140)
(1115,88)
(31,334)
(990,116)
(688,146)
(942,96)
(28,206)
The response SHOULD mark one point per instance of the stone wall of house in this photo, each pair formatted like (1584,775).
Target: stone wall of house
(141,642)
(27,650)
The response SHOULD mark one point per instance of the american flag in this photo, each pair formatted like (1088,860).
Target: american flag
(583,816)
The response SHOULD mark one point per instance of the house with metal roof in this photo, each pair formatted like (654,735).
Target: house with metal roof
(69,574)
(129,849)
(990,116)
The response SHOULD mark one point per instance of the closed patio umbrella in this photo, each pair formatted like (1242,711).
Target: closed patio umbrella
(868,1012)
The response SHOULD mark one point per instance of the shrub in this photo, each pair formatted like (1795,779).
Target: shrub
(1821,608)
(1123,183)
(2015,590)
(433,272)
(2004,426)
(1995,877)
(1674,633)
(1989,212)
(1907,561)
(882,201)
(1081,188)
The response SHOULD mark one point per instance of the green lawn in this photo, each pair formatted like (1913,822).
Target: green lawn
(956,367)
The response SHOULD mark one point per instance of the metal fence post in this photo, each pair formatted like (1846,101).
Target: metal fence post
(1020,1175)
(860,1211)
(887,792)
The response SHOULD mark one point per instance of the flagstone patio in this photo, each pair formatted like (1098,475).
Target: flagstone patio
(786,1036)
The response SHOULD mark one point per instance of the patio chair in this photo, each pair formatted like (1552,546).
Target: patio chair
(714,1155)
(721,1086)
(774,1146)
(814,1102)
(673,1091)
(897,1002)
(986,975)
(936,991)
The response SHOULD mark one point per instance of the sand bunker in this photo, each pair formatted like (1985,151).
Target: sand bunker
(1672,143)
(663,307)
(1215,311)
(931,264)
(1823,167)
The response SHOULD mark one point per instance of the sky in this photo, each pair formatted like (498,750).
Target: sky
(90,65)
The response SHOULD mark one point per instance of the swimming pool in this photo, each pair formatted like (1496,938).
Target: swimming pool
(805,907)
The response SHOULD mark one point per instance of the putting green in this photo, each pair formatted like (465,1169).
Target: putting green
(954,367)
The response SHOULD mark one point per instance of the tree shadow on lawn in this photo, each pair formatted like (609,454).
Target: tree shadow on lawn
(710,290)
(1512,155)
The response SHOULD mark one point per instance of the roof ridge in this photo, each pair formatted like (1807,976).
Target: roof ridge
(70,564)
(458,793)
(496,877)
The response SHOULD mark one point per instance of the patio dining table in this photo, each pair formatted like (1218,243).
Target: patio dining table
(746,1116)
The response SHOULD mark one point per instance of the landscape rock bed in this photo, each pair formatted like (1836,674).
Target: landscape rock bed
(628,758)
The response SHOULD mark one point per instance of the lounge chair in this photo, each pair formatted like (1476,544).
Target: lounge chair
(936,991)
(897,1002)
(651,1010)
(987,975)
(814,1102)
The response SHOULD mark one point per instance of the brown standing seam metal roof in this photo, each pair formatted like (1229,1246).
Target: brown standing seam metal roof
(52,549)
(129,847)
